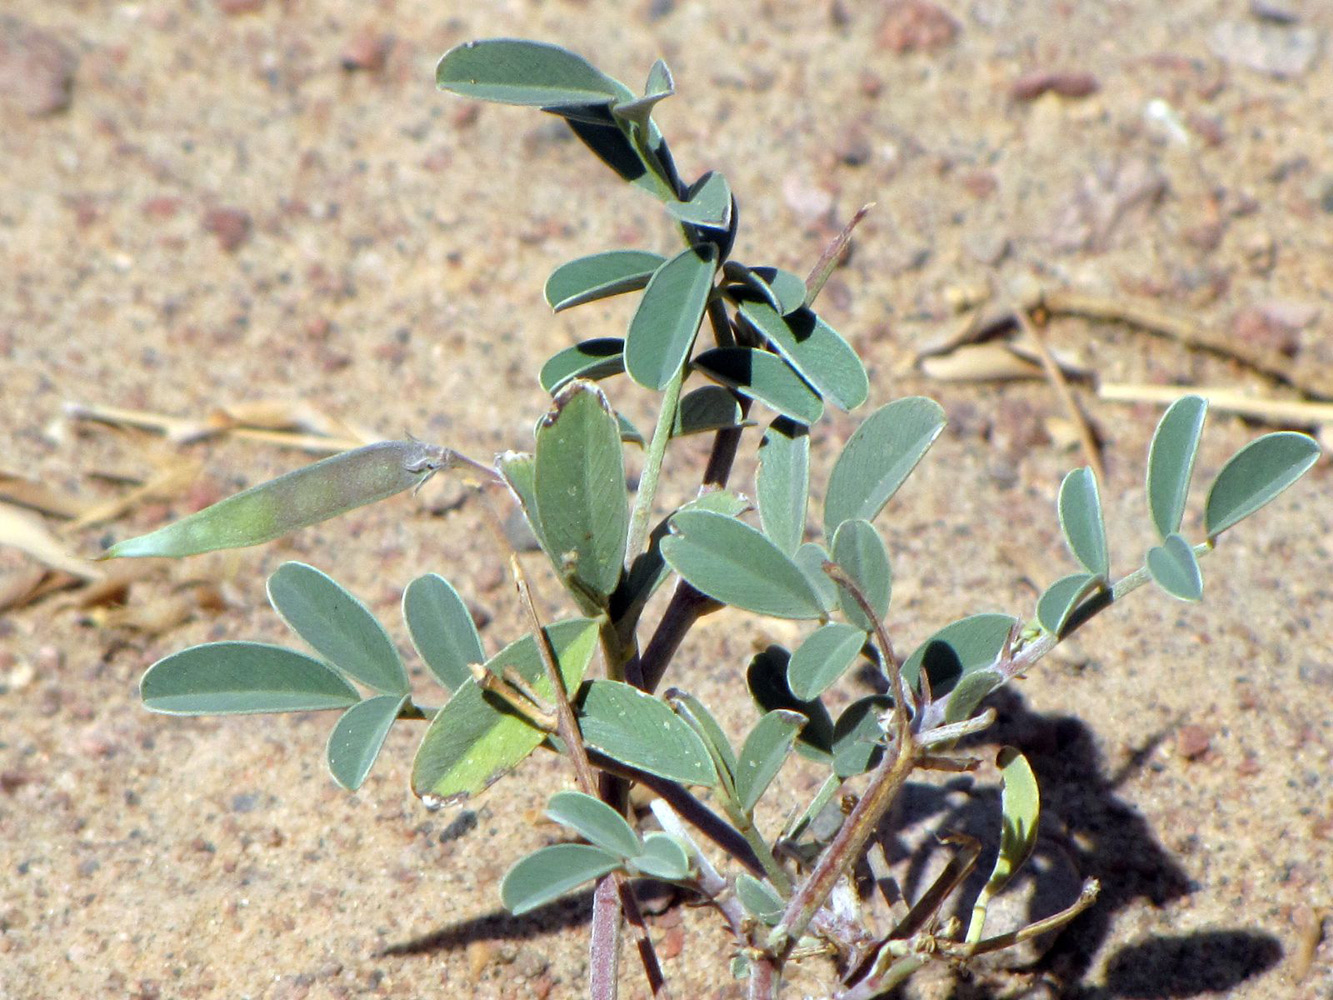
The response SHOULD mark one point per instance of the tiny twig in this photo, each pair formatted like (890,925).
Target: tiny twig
(1086,898)
(1091,450)
(901,695)
(1277,411)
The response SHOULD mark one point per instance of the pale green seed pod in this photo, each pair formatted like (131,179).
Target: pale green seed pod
(295,500)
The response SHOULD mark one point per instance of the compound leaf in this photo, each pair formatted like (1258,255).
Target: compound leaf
(667,319)
(1175,568)
(442,629)
(337,626)
(237,678)
(551,872)
(580,490)
(599,276)
(878,457)
(516,71)
(823,657)
(357,738)
(476,738)
(595,821)
(782,484)
(637,729)
(1255,475)
(1171,461)
(763,754)
(733,563)
(762,376)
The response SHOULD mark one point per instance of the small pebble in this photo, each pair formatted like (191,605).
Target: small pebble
(1192,741)
(36,68)
(367,51)
(1065,83)
(230,225)
(916,26)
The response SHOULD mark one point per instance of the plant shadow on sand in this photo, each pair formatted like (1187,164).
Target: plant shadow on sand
(1102,836)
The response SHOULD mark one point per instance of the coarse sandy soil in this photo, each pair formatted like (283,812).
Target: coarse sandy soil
(207,204)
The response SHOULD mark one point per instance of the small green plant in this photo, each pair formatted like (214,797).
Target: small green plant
(781,892)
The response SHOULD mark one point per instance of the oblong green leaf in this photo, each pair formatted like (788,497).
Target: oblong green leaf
(240,678)
(860,552)
(664,325)
(551,872)
(960,648)
(706,409)
(599,276)
(764,377)
(696,714)
(815,350)
(733,563)
(662,858)
(637,729)
(295,500)
(782,483)
(811,557)
(969,692)
(823,657)
(708,203)
(476,738)
(763,754)
(1255,475)
(1081,521)
(878,457)
(759,898)
(1020,807)
(591,359)
(858,738)
(337,626)
(595,821)
(766,677)
(1171,461)
(1060,599)
(580,490)
(358,737)
(1175,568)
(517,71)
(442,629)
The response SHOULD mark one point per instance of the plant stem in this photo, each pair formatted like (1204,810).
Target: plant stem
(844,850)
(652,464)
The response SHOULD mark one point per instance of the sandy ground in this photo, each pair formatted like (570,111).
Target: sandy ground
(205,204)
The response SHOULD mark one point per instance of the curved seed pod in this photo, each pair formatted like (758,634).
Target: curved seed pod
(297,499)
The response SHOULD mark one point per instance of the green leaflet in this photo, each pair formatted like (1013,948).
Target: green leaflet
(764,377)
(551,872)
(337,626)
(639,730)
(735,564)
(782,484)
(878,457)
(1020,805)
(1080,509)
(1255,475)
(516,71)
(442,629)
(580,491)
(600,276)
(233,678)
(763,754)
(595,821)
(664,326)
(1175,568)
(957,650)
(1171,461)
(860,552)
(358,737)
(823,657)
(815,350)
